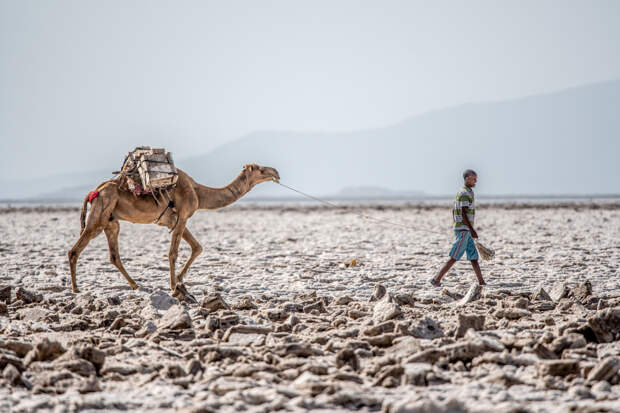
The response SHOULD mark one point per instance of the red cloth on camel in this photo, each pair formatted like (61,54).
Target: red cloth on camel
(92,195)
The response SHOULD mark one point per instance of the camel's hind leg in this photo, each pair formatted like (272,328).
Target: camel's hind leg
(98,219)
(111,232)
(196,251)
(87,235)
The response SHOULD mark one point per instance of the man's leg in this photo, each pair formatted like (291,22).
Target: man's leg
(444,270)
(474,263)
(457,251)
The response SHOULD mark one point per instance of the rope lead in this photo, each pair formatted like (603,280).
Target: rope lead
(385,221)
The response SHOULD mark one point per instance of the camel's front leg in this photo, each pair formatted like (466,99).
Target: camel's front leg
(196,250)
(111,232)
(174,251)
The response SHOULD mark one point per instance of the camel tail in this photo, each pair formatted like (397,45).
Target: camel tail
(83,213)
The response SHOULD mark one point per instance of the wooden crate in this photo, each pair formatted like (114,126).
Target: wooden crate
(157,169)
(154,166)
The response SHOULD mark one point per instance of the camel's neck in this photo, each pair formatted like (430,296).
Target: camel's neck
(214,198)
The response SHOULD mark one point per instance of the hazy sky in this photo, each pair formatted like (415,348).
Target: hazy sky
(83,82)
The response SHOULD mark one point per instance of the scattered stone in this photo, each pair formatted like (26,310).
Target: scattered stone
(383,340)
(173,371)
(214,302)
(559,291)
(504,379)
(473,294)
(44,350)
(20,348)
(415,373)
(11,375)
(385,310)
(404,299)
(292,321)
(356,314)
(318,306)
(6,359)
(91,354)
(90,385)
(27,297)
(343,300)
(579,392)
(347,357)
(310,383)
(511,313)
(5,294)
(378,293)
(148,328)
(386,327)
(467,321)
(489,343)
(245,303)
(227,321)
(194,366)
(605,325)
(541,295)
(289,307)
(571,340)
(504,359)
(543,352)
(426,405)
(161,300)
(521,302)
(581,292)
(427,328)
(454,295)
(605,370)
(245,335)
(75,365)
(558,367)
(601,389)
(294,349)
(176,318)
(114,300)
(4,309)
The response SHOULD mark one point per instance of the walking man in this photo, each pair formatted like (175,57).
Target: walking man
(463,215)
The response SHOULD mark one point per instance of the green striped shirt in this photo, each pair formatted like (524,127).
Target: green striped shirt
(464,198)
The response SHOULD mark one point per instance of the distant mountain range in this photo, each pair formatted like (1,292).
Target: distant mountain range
(566,142)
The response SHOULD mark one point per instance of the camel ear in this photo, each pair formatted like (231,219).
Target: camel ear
(249,167)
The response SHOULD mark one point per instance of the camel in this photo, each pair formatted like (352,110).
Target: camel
(113,204)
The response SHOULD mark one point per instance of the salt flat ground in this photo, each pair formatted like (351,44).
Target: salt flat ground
(278,254)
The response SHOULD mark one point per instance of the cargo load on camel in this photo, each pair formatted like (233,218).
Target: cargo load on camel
(148,171)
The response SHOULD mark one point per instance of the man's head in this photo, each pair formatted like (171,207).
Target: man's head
(470,176)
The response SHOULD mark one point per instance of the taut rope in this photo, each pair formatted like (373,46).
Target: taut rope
(385,221)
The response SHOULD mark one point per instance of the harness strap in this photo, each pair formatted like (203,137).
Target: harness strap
(170,205)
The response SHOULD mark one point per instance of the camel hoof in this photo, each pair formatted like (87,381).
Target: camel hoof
(181,293)
(75,290)
(134,286)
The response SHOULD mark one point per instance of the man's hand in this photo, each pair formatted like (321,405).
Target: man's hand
(474,234)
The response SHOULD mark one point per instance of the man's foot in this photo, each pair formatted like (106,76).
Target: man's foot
(434,282)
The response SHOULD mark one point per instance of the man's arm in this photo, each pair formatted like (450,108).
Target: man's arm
(473,232)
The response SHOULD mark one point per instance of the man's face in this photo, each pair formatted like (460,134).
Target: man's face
(471,180)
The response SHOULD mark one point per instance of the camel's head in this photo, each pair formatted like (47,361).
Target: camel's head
(258,174)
